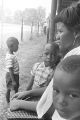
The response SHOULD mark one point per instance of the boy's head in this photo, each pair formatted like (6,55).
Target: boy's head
(66,88)
(12,44)
(51,52)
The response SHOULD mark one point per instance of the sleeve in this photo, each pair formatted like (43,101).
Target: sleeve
(35,66)
(46,100)
(9,61)
(75,51)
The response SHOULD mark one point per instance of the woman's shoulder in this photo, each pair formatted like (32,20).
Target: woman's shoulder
(75,51)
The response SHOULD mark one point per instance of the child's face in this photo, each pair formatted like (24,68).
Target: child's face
(66,94)
(15,47)
(48,56)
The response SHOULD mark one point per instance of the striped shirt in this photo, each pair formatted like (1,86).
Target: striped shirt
(11,62)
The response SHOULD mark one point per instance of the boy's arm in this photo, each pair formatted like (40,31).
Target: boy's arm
(12,76)
(35,92)
(30,83)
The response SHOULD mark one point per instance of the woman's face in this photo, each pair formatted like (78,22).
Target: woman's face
(65,37)
(61,29)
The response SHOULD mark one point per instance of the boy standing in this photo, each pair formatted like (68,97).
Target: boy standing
(12,67)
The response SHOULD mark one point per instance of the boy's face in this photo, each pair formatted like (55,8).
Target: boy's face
(66,94)
(48,56)
(15,47)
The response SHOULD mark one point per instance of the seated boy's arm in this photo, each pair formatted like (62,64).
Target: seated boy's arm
(12,76)
(30,83)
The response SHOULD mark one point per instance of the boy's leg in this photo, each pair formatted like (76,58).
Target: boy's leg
(12,92)
(8,85)
(8,95)
(16,77)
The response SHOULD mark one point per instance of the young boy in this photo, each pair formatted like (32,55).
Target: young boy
(12,67)
(42,72)
(66,88)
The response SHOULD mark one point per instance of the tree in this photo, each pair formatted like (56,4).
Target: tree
(40,16)
(18,16)
(34,17)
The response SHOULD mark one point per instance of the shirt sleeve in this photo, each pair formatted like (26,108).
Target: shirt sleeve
(9,61)
(75,51)
(35,66)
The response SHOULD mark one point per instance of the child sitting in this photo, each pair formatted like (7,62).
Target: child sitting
(12,67)
(45,72)
(66,88)
(42,72)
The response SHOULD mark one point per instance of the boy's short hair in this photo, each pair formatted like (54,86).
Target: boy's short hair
(11,40)
(70,64)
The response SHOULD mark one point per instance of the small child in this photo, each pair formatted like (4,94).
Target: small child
(42,72)
(66,88)
(12,67)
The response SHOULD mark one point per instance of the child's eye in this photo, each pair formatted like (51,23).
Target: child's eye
(55,91)
(73,96)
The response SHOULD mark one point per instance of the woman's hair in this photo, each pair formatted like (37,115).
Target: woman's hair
(70,16)
(70,64)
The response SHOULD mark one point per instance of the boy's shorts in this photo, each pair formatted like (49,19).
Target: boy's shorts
(9,81)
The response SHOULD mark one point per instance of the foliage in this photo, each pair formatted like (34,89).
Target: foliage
(30,15)
(18,16)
